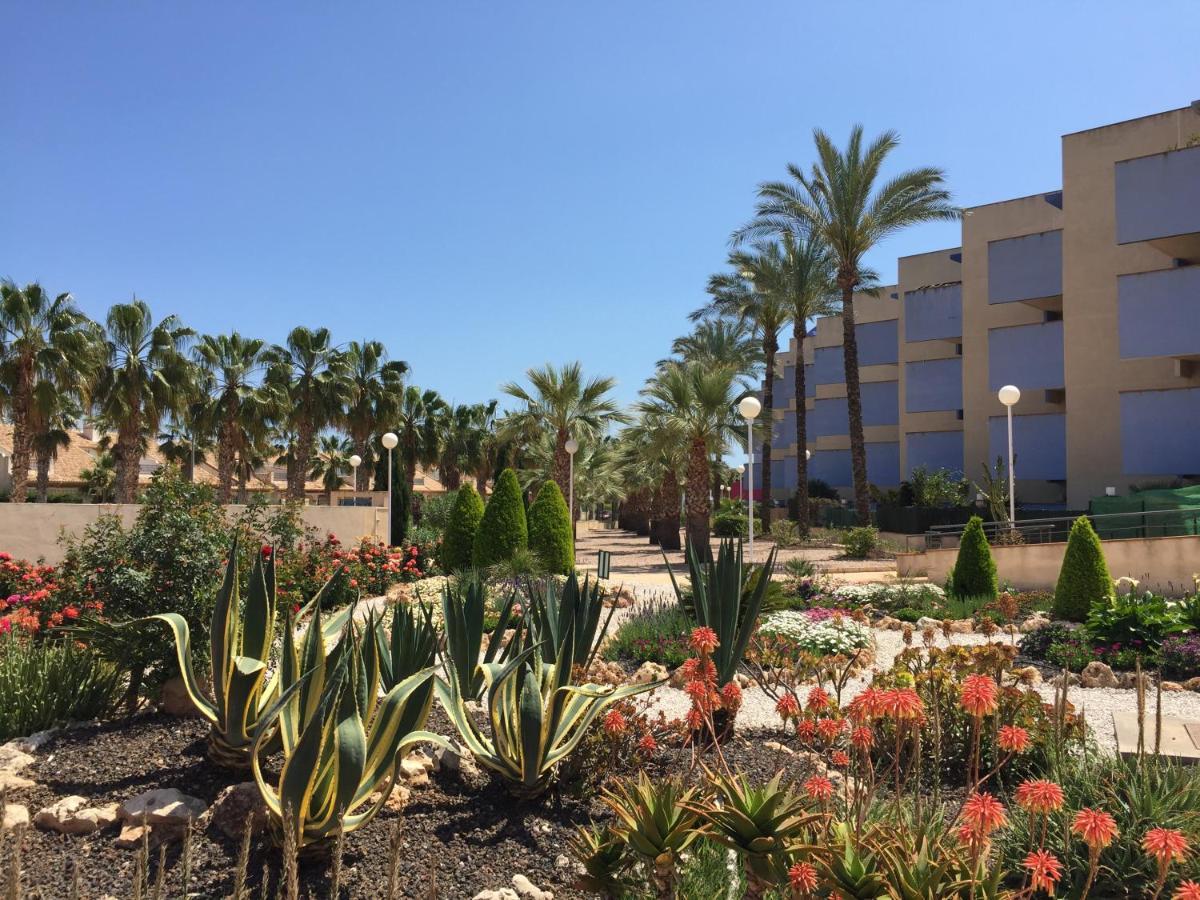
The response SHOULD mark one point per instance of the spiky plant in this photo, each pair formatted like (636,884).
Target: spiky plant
(601,852)
(408,646)
(463,606)
(656,822)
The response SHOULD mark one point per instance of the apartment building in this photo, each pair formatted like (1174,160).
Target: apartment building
(1087,298)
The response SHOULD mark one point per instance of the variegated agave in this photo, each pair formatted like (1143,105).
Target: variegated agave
(536,716)
(240,642)
(341,741)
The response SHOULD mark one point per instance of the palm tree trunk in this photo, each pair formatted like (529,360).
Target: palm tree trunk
(128,458)
(717,481)
(858,449)
(562,465)
(770,347)
(362,476)
(226,445)
(481,482)
(243,469)
(451,478)
(305,441)
(43,475)
(802,513)
(698,508)
(22,439)
(666,513)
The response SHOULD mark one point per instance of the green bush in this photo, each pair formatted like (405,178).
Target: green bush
(550,531)
(859,543)
(733,523)
(458,545)
(974,570)
(437,510)
(656,632)
(1083,578)
(503,529)
(51,682)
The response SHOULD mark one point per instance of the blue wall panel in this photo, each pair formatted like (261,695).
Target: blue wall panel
(784,432)
(785,386)
(1029,356)
(883,463)
(828,417)
(1025,268)
(935,450)
(810,380)
(832,467)
(1158,196)
(933,385)
(1039,444)
(1159,313)
(933,313)
(829,367)
(878,343)
(1160,432)
(880,403)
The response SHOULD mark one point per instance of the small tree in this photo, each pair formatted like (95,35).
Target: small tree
(550,530)
(502,530)
(458,545)
(974,570)
(1084,578)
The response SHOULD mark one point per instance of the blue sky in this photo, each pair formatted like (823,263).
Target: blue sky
(490,186)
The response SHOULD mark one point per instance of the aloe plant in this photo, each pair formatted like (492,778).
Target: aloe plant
(240,644)
(463,608)
(657,822)
(341,741)
(554,610)
(536,716)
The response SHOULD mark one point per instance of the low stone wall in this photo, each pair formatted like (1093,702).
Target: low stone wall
(33,530)
(1164,564)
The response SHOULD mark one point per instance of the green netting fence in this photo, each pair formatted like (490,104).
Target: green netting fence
(1161,512)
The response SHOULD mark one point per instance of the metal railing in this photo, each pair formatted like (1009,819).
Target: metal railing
(1055,529)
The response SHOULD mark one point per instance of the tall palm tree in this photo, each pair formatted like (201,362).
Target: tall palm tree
(842,203)
(311,377)
(187,438)
(753,293)
(331,463)
(721,342)
(489,448)
(146,376)
(231,367)
(42,339)
(375,388)
(562,402)
(100,478)
(54,413)
(419,425)
(459,444)
(692,405)
(653,457)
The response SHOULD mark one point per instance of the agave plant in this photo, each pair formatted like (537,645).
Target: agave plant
(463,607)
(765,825)
(555,610)
(536,716)
(240,644)
(341,741)
(656,821)
(408,646)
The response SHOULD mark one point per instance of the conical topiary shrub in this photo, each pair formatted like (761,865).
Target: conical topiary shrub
(1083,578)
(974,570)
(550,531)
(502,530)
(458,544)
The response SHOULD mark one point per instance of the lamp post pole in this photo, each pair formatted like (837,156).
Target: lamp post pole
(572,447)
(749,407)
(390,441)
(1009,395)
(355,462)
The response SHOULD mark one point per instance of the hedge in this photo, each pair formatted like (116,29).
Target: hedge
(550,531)
(502,530)
(1084,578)
(974,571)
(458,544)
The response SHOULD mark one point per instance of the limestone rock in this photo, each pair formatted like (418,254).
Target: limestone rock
(622,598)
(174,700)
(398,798)
(1034,623)
(15,816)
(648,672)
(1028,675)
(458,761)
(498,894)
(13,759)
(779,748)
(34,742)
(962,626)
(233,808)
(927,622)
(1192,684)
(1129,681)
(413,771)
(1172,687)
(164,806)
(1072,679)
(605,672)
(1098,675)
(131,837)
(526,888)
(74,815)
(889,623)
(11,781)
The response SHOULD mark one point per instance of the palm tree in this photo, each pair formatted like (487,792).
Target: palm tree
(419,427)
(54,413)
(459,444)
(840,203)
(652,456)
(185,441)
(490,447)
(692,406)
(41,339)
(753,293)
(720,342)
(375,387)
(231,367)
(146,376)
(330,462)
(563,403)
(311,377)
(100,479)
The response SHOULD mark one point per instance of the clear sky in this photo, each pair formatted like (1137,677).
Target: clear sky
(490,186)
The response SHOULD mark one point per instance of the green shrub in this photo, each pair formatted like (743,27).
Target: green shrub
(458,545)
(1083,578)
(785,533)
(437,509)
(51,682)
(656,632)
(859,543)
(503,529)
(732,523)
(974,570)
(550,531)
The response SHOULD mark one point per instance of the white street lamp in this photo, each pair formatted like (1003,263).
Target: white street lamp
(355,462)
(389,441)
(572,447)
(807,455)
(1009,395)
(749,407)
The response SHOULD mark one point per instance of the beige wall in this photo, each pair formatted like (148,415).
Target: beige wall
(1164,564)
(32,530)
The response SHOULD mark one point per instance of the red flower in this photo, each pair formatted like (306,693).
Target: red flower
(1013,738)
(829,729)
(803,877)
(266,551)
(1166,845)
(1039,796)
(614,722)
(703,639)
(819,788)
(1187,890)
(862,737)
(806,730)
(984,814)
(1044,870)
(979,695)
(902,704)
(867,705)
(648,744)
(1097,829)
(818,700)
(731,696)
(840,759)
(786,706)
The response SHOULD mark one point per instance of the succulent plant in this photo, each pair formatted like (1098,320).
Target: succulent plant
(554,609)
(463,608)
(656,821)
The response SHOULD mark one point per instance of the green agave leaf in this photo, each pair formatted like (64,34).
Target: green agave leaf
(222,636)
(183,653)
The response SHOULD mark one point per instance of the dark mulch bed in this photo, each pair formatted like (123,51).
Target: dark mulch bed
(457,838)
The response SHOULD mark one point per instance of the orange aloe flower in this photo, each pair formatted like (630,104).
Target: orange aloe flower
(978,695)
(1097,829)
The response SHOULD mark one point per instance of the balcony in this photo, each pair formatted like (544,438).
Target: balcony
(1026,269)
(1159,313)
(1158,200)
(933,385)
(935,450)
(933,313)
(1039,444)
(1029,356)
(1147,449)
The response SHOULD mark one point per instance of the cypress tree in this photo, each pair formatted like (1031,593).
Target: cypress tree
(502,530)
(458,544)
(550,530)
(1084,578)
(974,570)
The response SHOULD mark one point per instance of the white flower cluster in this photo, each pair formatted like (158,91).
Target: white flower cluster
(838,635)
(886,596)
